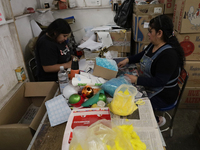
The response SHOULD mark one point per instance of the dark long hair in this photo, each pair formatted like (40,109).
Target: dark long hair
(57,27)
(164,23)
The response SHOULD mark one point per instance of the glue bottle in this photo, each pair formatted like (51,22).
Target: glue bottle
(74,67)
(62,78)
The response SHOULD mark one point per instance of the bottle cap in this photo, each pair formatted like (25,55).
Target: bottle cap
(61,67)
(101,104)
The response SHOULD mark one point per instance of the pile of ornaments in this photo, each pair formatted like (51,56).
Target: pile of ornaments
(87,97)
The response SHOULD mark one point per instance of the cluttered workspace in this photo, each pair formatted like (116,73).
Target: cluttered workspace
(94,104)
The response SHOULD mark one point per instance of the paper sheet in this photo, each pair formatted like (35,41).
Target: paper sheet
(58,110)
(90,44)
(103,28)
(105,38)
(82,64)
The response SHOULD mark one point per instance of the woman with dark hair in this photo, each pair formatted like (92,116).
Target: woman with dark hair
(51,50)
(160,64)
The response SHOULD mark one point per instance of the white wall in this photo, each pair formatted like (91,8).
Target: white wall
(84,18)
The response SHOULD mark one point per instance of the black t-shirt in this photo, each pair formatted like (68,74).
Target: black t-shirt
(164,68)
(48,52)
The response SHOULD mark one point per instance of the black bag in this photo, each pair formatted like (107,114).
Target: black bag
(123,17)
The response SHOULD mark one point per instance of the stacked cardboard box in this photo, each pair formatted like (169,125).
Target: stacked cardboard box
(142,14)
(121,42)
(186,21)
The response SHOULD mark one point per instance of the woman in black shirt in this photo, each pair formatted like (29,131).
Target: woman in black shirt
(52,51)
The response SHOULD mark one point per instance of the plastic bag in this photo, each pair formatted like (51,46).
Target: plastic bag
(101,136)
(123,16)
(111,85)
(123,103)
(95,137)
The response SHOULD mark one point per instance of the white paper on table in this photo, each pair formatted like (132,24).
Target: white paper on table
(105,39)
(90,44)
(103,28)
(82,64)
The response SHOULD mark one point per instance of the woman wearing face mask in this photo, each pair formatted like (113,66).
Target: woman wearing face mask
(161,63)
(52,51)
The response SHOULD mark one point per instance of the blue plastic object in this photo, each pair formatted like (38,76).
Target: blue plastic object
(111,85)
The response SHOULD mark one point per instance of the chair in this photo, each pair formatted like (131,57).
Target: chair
(182,80)
(33,68)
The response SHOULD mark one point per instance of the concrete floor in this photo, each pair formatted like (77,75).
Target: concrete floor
(184,135)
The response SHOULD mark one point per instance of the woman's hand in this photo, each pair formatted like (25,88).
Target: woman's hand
(123,63)
(132,78)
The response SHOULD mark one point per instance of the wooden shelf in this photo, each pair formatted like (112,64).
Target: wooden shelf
(21,16)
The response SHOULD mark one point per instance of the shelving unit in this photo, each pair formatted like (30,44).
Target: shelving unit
(11,55)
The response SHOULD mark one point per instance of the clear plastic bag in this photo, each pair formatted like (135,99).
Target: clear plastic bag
(123,103)
(95,137)
(101,136)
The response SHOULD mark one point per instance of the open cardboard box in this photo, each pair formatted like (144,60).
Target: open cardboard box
(13,135)
(83,117)
(104,72)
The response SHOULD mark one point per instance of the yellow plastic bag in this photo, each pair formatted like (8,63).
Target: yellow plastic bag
(123,102)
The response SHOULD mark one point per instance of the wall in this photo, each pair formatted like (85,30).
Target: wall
(85,17)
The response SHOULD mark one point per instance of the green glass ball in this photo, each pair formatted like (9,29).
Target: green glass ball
(74,98)
(102,97)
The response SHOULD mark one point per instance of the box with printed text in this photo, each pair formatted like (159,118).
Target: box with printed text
(190,44)
(140,27)
(83,117)
(193,69)
(169,6)
(186,17)
(148,9)
(190,98)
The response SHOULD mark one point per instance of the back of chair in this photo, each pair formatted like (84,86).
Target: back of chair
(182,81)
(32,67)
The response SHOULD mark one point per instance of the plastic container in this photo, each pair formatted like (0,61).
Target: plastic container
(20,74)
(63,79)
(123,103)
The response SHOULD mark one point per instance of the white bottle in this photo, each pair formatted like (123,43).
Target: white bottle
(63,79)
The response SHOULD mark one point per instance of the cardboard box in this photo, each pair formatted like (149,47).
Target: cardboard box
(148,9)
(186,16)
(190,44)
(140,27)
(120,43)
(15,135)
(92,3)
(193,69)
(104,72)
(170,16)
(190,98)
(169,6)
(83,117)
(140,46)
(123,54)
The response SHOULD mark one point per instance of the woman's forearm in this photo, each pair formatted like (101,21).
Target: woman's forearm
(56,67)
